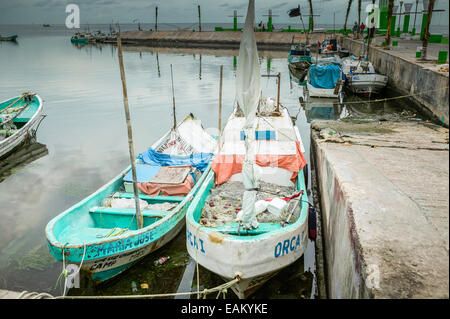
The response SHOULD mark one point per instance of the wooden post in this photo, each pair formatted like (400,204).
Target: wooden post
(389,24)
(278,95)
(139,217)
(415,16)
(220,106)
(156,18)
(427,30)
(173,98)
(199,20)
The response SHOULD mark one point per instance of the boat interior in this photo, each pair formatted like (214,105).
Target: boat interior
(15,113)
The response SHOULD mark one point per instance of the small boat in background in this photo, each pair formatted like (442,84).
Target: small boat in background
(45,25)
(361,77)
(9,38)
(80,38)
(299,61)
(101,233)
(19,119)
(325,80)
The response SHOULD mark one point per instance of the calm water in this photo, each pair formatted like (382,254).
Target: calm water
(85,134)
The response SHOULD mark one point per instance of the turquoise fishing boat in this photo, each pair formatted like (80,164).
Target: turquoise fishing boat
(9,38)
(100,233)
(79,38)
(19,118)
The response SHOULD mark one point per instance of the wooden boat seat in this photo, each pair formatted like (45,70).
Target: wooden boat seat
(233,229)
(152,199)
(127,211)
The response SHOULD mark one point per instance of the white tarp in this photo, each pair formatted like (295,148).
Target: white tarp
(248,91)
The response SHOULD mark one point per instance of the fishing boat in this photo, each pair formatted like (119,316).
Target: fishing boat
(299,61)
(9,38)
(325,80)
(361,77)
(249,219)
(79,38)
(101,233)
(19,118)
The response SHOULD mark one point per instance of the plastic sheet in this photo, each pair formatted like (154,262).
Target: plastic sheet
(197,160)
(324,76)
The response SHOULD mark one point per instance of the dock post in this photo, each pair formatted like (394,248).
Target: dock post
(199,20)
(235,20)
(156,18)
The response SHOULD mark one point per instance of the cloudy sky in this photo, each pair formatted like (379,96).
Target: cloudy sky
(172,11)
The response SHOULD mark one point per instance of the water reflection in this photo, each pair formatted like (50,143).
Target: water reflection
(28,152)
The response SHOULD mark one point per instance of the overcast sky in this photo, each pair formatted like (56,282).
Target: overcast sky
(172,11)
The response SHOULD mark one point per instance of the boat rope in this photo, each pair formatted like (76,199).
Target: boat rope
(23,96)
(223,288)
(380,100)
(64,270)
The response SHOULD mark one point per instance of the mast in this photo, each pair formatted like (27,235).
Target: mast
(248,92)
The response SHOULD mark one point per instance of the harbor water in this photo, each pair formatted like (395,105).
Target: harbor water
(85,134)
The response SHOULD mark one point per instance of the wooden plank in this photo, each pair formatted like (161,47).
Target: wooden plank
(126,211)
(151,198)
(171,175)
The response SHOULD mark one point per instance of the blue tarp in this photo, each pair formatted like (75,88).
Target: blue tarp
(144,173)
(324,76)
(198,160)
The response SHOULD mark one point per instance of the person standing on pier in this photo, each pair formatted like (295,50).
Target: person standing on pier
(355,29)
(361,29)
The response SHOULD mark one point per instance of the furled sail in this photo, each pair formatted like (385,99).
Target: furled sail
(248,91)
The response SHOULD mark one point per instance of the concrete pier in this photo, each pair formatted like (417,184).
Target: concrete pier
(213,39)
(384,189)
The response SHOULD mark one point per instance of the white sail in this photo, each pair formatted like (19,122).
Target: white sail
(248,91)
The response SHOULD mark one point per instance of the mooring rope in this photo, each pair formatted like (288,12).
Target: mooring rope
(379,100)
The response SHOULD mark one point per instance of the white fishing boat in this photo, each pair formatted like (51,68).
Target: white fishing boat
(249,219)
(19,119)
(361,77)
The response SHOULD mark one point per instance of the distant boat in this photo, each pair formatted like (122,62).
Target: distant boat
(79,38)
(9,38)
(18,118)
(101,233)
(299,61)
(46,25)
(361,77)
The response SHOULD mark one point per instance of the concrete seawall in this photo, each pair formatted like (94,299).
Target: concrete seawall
(409,76)
(213,39)
(384,192)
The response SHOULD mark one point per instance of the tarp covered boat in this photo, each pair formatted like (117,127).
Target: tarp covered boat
(100,233)
(325,80)
(19,118)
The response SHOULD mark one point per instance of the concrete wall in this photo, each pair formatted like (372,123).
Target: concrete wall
(344,271)
(213,39)
(408,77)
